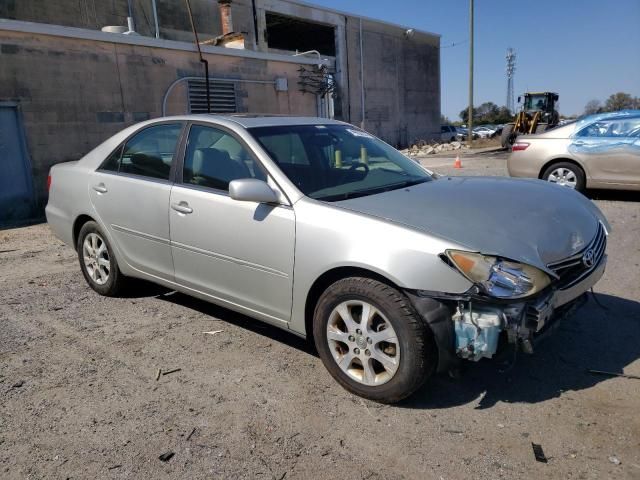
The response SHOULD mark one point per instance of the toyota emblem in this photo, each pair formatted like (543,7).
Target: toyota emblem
(588,258)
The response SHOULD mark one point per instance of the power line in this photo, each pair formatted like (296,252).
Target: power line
(454,44)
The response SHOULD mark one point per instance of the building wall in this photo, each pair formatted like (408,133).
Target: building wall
(77,89)
(75,93)
(95,14)
(401,81)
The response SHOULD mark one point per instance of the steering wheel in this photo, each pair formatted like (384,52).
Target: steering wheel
(353,167)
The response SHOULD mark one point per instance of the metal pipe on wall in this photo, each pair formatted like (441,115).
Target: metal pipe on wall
(213,79)
(202,59)
(154,9)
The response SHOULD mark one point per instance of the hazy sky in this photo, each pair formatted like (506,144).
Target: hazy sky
(582,49)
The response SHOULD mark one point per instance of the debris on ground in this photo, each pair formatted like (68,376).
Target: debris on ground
(213,332)
(538,453)
(614,460)
(191,434)
(158,373)
(165,457)
(168,372)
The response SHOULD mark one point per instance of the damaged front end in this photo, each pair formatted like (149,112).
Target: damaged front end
(510,303)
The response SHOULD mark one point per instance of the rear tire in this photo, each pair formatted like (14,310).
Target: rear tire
(392,341)
(97,261)
(567,174)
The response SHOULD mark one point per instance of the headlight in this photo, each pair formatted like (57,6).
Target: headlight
(499,278)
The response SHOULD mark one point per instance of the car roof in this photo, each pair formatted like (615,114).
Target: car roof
(619,115)
(264,120)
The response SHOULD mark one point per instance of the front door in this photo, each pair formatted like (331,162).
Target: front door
(16,190)
(610,150)
(238,253)
(130,193)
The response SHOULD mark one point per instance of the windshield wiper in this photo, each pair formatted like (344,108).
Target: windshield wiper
(374,190)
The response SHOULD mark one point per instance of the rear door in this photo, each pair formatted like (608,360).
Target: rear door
(610,150)
(239,253)
(131,191)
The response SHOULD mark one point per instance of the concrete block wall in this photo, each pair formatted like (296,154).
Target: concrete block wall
(75,93)
(172,16)
(401,81)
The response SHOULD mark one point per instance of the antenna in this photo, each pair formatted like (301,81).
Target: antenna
(511,70)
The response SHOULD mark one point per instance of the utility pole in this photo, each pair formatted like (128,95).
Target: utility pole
(470,114)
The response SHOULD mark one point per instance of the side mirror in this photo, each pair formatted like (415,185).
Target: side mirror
(252,190)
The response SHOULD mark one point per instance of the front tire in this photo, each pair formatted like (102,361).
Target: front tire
(372,341)
(507,137)
(97,261)
(566,174)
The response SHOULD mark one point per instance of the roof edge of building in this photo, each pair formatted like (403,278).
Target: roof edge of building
(363,17)
(100,36)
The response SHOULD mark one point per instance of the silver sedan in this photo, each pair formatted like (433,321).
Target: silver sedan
(598,151)
(318,227)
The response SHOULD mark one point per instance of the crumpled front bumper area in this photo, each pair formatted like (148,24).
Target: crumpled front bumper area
(473,327)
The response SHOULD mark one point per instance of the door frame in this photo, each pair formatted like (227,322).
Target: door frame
(22,143)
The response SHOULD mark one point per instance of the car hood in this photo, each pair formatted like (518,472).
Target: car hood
(529,221)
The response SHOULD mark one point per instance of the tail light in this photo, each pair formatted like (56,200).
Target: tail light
(519,146)
(48,182)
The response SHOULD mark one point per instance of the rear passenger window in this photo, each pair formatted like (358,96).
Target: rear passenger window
(150,152)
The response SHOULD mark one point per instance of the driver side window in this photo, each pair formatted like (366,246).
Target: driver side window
(627,127)
(214,158)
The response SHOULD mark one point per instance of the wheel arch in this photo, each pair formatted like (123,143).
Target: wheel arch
(329,277)
(77,226)
(563,160)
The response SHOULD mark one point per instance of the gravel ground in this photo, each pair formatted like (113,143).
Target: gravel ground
(79,396)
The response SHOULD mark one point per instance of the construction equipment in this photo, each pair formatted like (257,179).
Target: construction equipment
(538,114)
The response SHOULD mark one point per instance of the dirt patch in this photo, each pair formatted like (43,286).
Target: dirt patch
(79,396)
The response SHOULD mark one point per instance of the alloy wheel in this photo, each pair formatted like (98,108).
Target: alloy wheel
(96,258)
(563,176)
(363,342)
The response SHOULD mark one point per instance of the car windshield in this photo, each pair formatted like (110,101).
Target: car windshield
(337,162)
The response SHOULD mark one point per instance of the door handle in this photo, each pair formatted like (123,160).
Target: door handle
(100,188)
(182,207)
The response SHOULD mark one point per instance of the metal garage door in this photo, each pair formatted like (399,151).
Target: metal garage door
(16,186)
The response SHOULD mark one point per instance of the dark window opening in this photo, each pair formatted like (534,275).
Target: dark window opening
(289,33)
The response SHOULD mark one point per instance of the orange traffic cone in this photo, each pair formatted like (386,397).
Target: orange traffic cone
(457,163)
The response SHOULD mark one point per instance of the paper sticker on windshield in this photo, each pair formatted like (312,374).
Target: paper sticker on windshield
(358,133)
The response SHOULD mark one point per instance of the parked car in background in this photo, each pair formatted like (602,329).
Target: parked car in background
(319,228)
(484,131)
(462,134)
(448,133)
(597,151)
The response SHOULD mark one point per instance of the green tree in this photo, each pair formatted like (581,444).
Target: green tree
(620,101)
(464,114)
(487,112)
